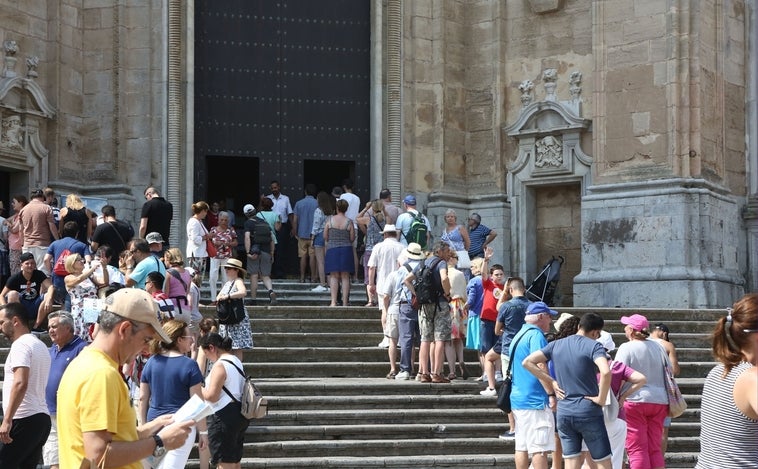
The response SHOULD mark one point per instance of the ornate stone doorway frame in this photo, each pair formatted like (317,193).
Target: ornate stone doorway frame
(24,112)
(549,136)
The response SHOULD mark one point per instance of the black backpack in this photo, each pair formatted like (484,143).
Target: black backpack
(425,284)
(260,232)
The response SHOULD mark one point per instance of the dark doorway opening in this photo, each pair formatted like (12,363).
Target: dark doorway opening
(327,174)
(233,180)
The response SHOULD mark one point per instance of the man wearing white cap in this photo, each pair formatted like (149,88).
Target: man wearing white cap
(381,263)
(93,405)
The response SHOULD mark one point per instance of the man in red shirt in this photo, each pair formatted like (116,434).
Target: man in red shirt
(493,283)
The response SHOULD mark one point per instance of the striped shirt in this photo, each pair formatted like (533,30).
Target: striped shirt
(728,438)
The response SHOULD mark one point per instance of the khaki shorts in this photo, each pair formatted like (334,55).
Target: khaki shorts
(435,322)
(390,328)
(305,247)
(535,430)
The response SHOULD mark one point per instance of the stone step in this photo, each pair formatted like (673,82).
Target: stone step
(330,354)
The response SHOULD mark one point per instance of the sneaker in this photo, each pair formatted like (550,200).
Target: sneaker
(489,392)
(498,376)
(403,376)
(272,297)
(319,289)
(385,343)
(507,436)
(481,378)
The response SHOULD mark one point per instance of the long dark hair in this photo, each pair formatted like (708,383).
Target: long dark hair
(326,203)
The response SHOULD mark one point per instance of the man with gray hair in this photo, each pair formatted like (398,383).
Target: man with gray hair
(479,235)
(66,346)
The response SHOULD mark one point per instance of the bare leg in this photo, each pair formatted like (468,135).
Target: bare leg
(557,454)
(312,264)
(303,265)
(392,352)
(333,287)
(320,262)
(254,286)
(438,363)
(345,287)
(450,357)
(489,367)
(423,357)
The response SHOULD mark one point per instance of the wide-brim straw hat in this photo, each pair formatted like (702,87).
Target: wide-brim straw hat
(235,264)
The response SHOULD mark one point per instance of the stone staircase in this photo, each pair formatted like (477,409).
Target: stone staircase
(330,406)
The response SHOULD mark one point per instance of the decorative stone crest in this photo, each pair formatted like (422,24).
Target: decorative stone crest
(31,66)
(12,135)
(550,76)
(10,48)
(526,88)
(574,81)
(549,152)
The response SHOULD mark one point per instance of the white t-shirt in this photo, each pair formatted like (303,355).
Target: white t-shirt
(353,206)
(28,352)
(384,258)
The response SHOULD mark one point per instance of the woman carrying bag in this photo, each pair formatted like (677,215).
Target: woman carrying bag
(240,334)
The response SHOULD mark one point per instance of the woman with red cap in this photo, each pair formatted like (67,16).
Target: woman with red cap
(647,407)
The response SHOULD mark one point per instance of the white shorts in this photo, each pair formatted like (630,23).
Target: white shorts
(535,430)
(50,450)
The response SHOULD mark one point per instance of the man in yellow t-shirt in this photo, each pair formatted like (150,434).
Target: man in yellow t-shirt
(93,400)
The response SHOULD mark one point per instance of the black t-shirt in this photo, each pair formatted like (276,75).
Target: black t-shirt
(250,227)
(28,289)
(159,213)
(114,234)
(82,220)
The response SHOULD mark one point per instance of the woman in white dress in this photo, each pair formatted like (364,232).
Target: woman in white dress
(197,235)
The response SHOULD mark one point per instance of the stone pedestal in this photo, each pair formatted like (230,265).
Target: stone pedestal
(667,243)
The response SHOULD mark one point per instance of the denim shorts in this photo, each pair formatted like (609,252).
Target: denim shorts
(572,430)
(487,337)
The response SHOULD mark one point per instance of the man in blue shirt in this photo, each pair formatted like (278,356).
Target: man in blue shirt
(480,236)
(302,223)
(531,404)
(67,241)
(580,397)
(66,346)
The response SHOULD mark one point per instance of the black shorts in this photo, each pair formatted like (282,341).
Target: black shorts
(226,434)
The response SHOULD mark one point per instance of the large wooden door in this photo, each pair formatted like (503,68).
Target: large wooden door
(281,82)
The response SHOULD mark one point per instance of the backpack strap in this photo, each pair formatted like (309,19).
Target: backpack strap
(240,371)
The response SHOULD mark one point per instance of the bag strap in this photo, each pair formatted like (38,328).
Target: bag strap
(515,344)
(174,273)
(240,371)
(117,233)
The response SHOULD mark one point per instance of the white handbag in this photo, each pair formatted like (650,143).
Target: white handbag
(464,262)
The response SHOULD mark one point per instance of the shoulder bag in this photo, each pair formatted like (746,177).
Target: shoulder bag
(231,311)
(677,404)
(504,393)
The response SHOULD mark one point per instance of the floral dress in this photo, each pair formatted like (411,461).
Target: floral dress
(458,315)
(84,289)
(241,334)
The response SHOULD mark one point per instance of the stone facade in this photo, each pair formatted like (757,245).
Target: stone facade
(612,132)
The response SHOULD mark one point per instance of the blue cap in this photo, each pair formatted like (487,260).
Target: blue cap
(540,307)
(409,200)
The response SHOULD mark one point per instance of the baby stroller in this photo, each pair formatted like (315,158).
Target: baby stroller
(544,284)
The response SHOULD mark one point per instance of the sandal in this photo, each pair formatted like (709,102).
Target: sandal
(371,304)
(391,375)
(451,376)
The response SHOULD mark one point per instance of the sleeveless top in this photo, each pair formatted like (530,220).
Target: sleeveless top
(720,417)
(81,219)
(373,232)
(339,237)
(454,238)
(233,383)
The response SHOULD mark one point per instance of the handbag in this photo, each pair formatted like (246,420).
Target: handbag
(464,262)
(677,404)
(504,393)
(231,311)
(211,248)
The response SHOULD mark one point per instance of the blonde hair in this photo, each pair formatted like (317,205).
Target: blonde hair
(476,266)
(74,201)
(174,257)
(71,259)
(174,329)
(198,207)
(377,206)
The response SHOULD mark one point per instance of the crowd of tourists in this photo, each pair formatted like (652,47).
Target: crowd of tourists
(122,306)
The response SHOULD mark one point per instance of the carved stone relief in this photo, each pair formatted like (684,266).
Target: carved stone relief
(549,152)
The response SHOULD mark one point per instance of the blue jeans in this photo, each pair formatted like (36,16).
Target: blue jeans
(573,429)
(408,335)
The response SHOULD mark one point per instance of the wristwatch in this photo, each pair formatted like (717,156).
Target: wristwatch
(159,450)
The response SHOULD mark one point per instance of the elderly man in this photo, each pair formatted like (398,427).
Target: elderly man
(26,421)
(381,263)
(32,289)
(479,235)
(100,424)
(66,346)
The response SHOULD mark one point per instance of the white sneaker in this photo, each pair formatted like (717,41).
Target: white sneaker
(489,392)
(498,376)
(385,343)
(319,289)
(402,376)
